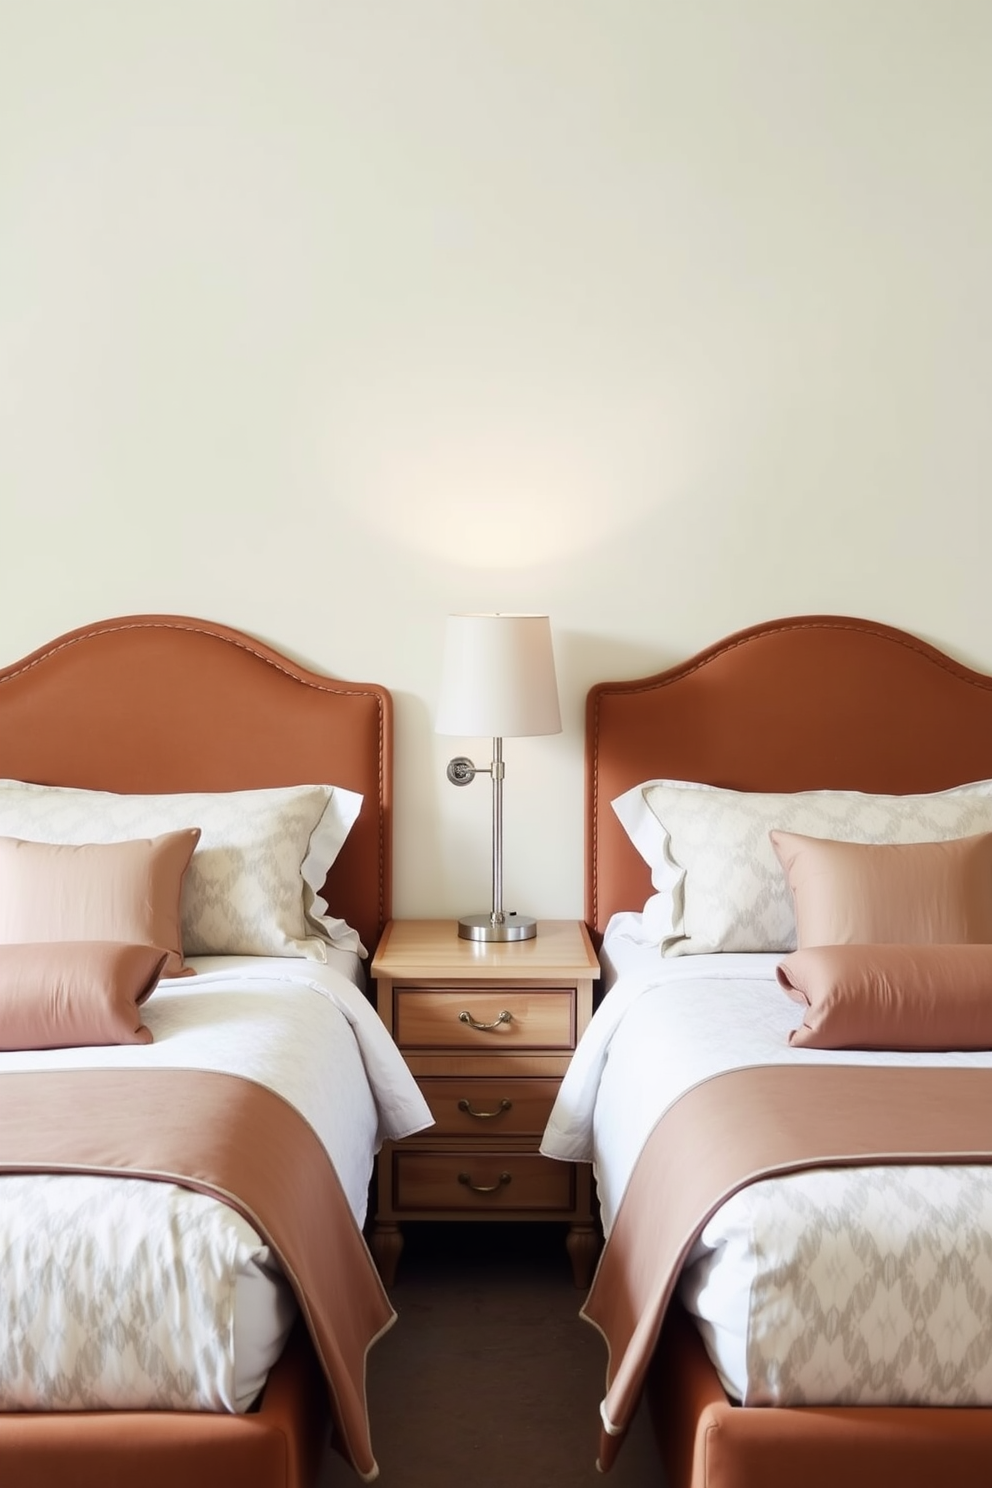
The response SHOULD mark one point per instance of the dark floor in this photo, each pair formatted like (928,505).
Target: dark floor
(489,1379)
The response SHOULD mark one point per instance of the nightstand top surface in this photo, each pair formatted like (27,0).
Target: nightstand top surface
(423,948)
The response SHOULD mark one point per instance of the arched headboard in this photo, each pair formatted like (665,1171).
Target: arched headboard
(811,702)
(157,703)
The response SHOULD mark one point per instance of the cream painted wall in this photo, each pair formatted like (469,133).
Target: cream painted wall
(326,318)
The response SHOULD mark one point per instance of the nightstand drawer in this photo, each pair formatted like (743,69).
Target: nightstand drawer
(484,1018)
(489,1108)
(476,1181)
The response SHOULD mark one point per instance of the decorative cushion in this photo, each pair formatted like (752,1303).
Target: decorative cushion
(254,884)
(891,996)
(910,893)
(719,885)
(65,993)
(120,891)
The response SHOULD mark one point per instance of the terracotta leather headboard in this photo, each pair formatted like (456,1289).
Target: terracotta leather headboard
(818,701)
(168,703)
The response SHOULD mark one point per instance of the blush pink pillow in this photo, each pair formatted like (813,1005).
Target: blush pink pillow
(909,893)
(120,891)
(891,996)
(62,994)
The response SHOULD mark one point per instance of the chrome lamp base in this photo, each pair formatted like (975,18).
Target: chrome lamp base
(491,928)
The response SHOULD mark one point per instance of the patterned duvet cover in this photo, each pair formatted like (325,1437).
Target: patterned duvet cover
(125,1293)
(852,1285)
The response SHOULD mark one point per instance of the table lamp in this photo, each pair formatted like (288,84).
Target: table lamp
(497,679)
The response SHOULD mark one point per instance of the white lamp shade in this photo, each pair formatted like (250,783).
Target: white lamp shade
(498,677)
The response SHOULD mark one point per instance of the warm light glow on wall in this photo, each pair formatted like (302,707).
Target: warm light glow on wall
(489,521)
(506,487)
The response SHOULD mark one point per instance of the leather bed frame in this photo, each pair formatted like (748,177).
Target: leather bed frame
(806,703)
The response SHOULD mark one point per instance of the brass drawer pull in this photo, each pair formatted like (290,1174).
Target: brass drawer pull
(466,1179)
(504,1105)
(504,1017)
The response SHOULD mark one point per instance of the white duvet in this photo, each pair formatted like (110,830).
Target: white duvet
(855,1286)
(123,1293)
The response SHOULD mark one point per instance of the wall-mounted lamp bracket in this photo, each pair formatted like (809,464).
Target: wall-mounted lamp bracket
(461,770)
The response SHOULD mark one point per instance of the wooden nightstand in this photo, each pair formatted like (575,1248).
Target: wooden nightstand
(488,1030)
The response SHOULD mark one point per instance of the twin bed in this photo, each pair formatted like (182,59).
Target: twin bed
(793,1164)
(186,1142)
(805,1298)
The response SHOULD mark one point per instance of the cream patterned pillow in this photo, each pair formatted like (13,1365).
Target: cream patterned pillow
(720,886)
(254,882)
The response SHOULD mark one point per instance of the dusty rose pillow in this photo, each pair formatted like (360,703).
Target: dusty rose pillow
(121,891)
(891,996)
(909,893)
(60,994)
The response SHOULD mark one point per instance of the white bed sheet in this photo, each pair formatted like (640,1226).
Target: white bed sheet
(122,1293)
(889,1301)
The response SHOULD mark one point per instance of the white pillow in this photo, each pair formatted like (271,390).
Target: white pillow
(663,910)
(720,886)
(253,886)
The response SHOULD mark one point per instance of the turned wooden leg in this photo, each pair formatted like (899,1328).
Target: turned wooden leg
(582,1243)
(386,1245)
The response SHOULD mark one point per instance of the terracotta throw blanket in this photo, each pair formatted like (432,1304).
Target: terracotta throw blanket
(230,1137)
(742,1126)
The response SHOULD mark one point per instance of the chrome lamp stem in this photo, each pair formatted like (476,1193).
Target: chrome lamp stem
(496,771)
(497,924)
